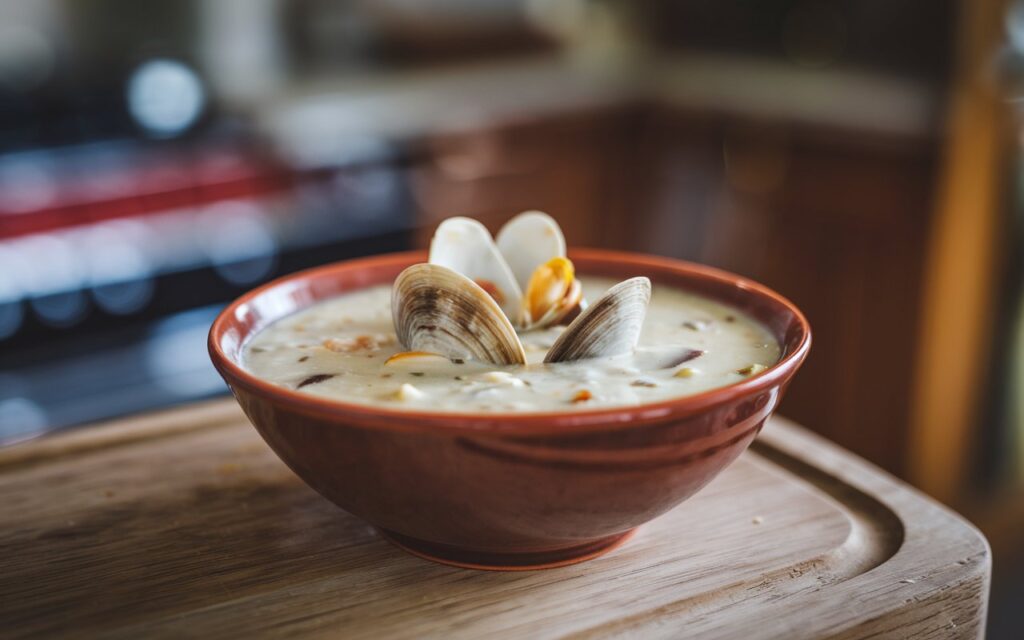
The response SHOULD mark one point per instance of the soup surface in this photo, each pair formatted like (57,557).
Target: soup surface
(338,348)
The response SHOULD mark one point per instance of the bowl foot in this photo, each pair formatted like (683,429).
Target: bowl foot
(491,561)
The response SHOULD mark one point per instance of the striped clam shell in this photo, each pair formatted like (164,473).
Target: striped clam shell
(608,327)
(438,310)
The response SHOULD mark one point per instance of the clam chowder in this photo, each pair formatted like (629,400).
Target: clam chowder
(347,348)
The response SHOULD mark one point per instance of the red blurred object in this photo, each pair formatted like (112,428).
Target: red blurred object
(173,181)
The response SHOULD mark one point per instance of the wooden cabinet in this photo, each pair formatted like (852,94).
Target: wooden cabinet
(837,223)
(565,165)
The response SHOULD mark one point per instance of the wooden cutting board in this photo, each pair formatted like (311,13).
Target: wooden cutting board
(184,524)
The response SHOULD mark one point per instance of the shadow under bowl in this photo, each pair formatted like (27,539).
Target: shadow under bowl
(508,491)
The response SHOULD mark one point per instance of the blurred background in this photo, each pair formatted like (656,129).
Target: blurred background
(860,156)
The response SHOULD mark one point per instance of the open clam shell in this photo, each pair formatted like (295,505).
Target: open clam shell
(530,239)
(465,246)
(525,270)
(438,310)
(533,246)
(608,327)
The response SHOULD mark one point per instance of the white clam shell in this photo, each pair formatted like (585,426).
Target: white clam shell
(464,245)
(608,327)
(527,241)
(438,310)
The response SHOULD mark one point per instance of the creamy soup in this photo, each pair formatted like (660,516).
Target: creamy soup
(338,348)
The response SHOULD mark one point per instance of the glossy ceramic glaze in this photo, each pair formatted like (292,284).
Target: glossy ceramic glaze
(508,491)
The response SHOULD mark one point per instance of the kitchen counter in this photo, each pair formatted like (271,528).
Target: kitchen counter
(315,122)
(184,523)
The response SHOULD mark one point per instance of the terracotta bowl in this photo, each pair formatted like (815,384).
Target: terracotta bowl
(504,490)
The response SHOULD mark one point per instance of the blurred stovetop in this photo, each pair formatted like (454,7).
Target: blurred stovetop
(116,255)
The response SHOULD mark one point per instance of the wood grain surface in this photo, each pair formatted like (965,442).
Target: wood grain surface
(184,524)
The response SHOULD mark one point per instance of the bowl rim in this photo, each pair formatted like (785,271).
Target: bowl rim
(525,423)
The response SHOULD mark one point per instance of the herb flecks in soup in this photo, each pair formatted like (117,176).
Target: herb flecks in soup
(346,348)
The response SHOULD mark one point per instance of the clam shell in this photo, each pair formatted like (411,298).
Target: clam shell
(438,310)
(527,241)
(608,327)
(464,245)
